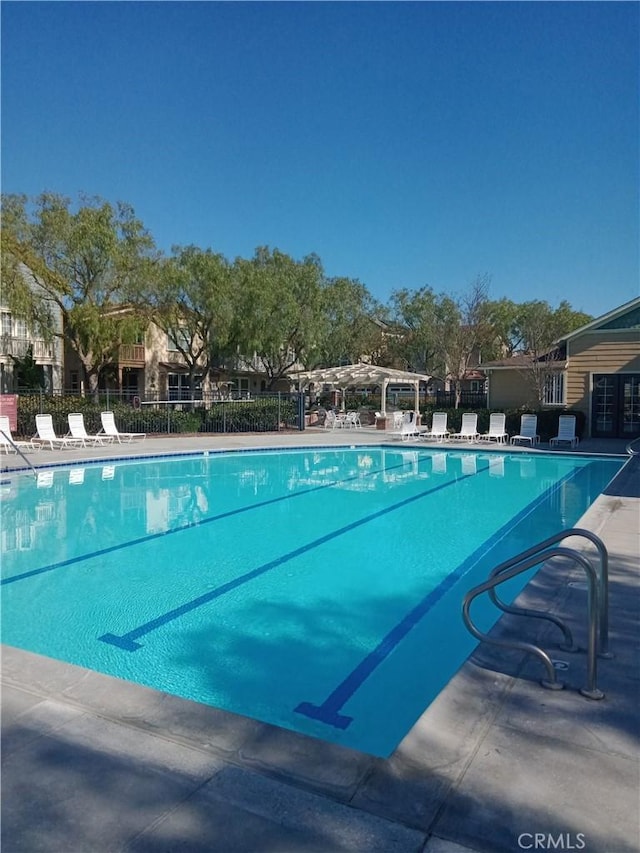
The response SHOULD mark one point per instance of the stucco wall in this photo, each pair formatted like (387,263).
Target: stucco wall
(510,389)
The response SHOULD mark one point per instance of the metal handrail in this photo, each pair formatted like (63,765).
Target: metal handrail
(17,450)
(629,448)
(502,574)
(603,617)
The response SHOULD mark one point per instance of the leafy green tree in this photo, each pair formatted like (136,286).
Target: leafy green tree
(463,331)
(416,314)
(445,335)
(538,327)
(279,302)
(27,373)
(347,325)
(84,262)
(190,297)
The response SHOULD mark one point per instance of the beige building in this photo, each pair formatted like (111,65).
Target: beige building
(17,341)
(153,368)
(594,370)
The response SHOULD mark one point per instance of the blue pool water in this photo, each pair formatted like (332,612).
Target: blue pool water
(318,590)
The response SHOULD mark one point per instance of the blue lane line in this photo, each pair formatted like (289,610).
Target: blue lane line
(221,516)
(329,711)
(128,641)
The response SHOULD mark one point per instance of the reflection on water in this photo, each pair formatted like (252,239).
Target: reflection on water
(67,512)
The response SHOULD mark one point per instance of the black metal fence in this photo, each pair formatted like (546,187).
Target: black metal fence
(258,413)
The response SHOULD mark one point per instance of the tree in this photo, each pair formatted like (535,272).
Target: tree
(539,327)
(190,299)
(85,263)
(346,328)
(277,314)
(445,335)
(463,331)
(27,373)
(416,314)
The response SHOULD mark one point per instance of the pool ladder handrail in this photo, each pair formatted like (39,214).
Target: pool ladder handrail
(18,451)
(597,606)
(630,448)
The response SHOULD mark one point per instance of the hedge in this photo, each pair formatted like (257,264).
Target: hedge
(262,415)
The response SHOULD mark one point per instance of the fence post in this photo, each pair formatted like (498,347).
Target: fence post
(279,411)
(301,423)
(224,416)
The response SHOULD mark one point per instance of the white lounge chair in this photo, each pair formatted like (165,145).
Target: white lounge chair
(78,430)
(10,444)
(407,428)
(109,428)
(438,430)
(468,429)
(46,435)
(528,427)
(497,431)
(566,431)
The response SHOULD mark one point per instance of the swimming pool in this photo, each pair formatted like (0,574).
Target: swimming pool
(318,590)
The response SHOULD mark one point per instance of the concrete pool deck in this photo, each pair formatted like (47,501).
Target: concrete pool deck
(496,764)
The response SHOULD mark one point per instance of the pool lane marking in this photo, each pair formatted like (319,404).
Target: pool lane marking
(128,641)
(328,712)
(220,517)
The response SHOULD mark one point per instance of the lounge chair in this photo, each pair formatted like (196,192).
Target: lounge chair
(407,428)
(497,431)
(438,430)
(110,429)
(46,435)
(566,431)
(528,427)
(78,430)
(10,444)
(469,428)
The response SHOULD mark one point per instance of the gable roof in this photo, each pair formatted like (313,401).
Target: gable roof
(609,320)
(555,358)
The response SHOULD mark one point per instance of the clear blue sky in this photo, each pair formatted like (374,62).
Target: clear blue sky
(407,144)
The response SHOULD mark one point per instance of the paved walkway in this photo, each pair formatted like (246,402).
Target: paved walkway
(496,764)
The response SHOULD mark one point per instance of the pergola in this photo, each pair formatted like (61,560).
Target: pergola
(350,375)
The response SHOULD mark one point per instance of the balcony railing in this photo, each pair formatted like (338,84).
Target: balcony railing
(131,355)
(19,347)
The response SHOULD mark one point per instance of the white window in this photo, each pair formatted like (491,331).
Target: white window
(553,391)
(6,324)
(182,337)
(178,387)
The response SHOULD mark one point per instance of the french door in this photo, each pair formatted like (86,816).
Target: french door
(616,405)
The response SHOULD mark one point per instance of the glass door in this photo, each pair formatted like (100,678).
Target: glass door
(616,405)
(630,392)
